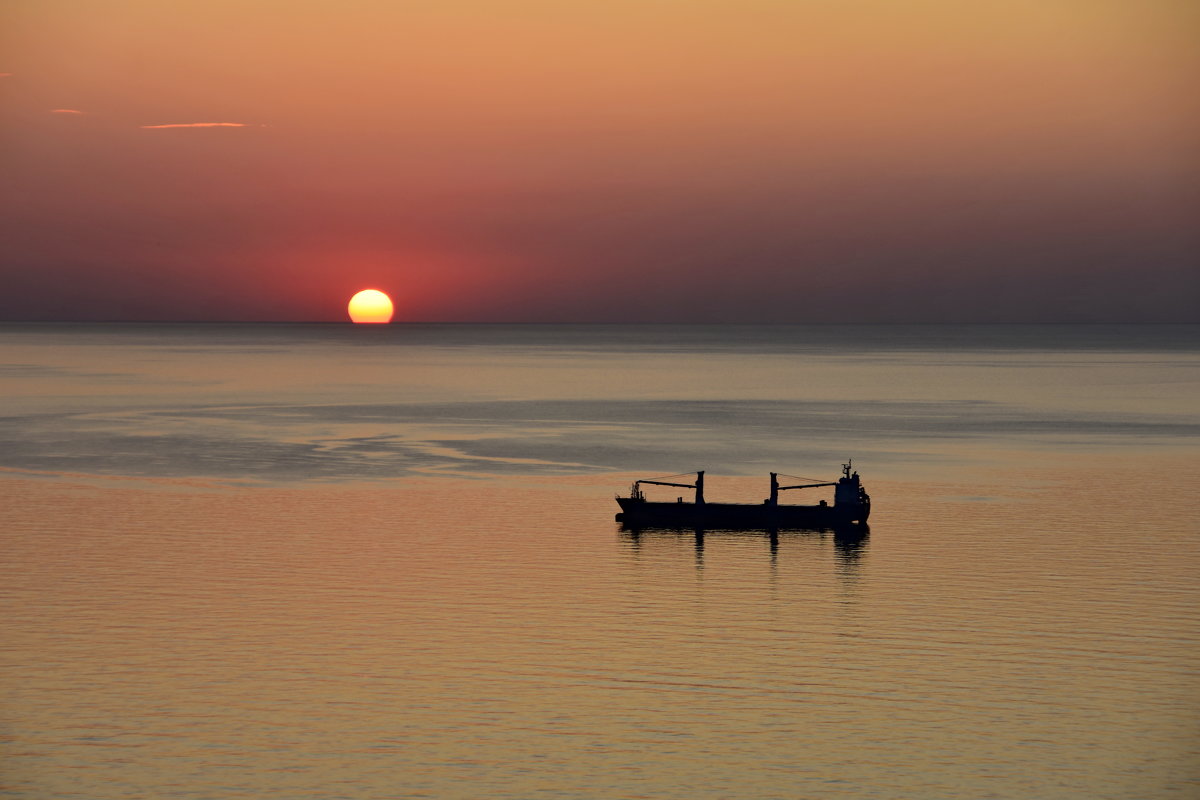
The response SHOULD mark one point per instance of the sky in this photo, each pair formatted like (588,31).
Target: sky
(617,161)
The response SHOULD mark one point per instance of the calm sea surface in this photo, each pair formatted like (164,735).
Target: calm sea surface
(326,561)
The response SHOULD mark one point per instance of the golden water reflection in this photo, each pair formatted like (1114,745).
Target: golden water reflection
(458,638)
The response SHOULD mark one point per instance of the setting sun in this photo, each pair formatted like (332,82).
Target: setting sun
(370,305)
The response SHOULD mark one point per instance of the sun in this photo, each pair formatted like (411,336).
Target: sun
(370,305)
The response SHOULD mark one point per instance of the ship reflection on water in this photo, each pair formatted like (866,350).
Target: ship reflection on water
(850,542)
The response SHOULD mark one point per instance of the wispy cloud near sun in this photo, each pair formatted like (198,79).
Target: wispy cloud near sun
(196,125)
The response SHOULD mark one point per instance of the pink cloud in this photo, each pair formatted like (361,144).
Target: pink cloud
(66,111)
(198,125)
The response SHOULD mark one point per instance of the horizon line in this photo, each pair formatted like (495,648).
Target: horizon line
(573,322)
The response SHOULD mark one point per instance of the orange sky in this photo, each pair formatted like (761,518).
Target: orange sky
(705,161)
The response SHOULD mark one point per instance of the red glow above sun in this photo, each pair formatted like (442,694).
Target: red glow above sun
(370,305)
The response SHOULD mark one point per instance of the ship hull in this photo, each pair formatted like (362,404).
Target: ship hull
(739,515)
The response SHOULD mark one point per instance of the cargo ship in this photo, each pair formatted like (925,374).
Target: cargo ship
(851,506)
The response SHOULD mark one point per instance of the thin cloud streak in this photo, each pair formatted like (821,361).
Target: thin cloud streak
(66,111)
(196,125)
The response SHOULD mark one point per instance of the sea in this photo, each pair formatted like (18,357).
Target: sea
(293,561)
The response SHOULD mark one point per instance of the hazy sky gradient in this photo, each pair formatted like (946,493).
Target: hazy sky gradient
(786,160)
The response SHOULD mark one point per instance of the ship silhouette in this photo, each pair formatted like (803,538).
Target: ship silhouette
(851,506)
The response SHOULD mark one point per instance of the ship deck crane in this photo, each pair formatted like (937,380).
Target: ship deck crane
(698,486)
(776,488)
